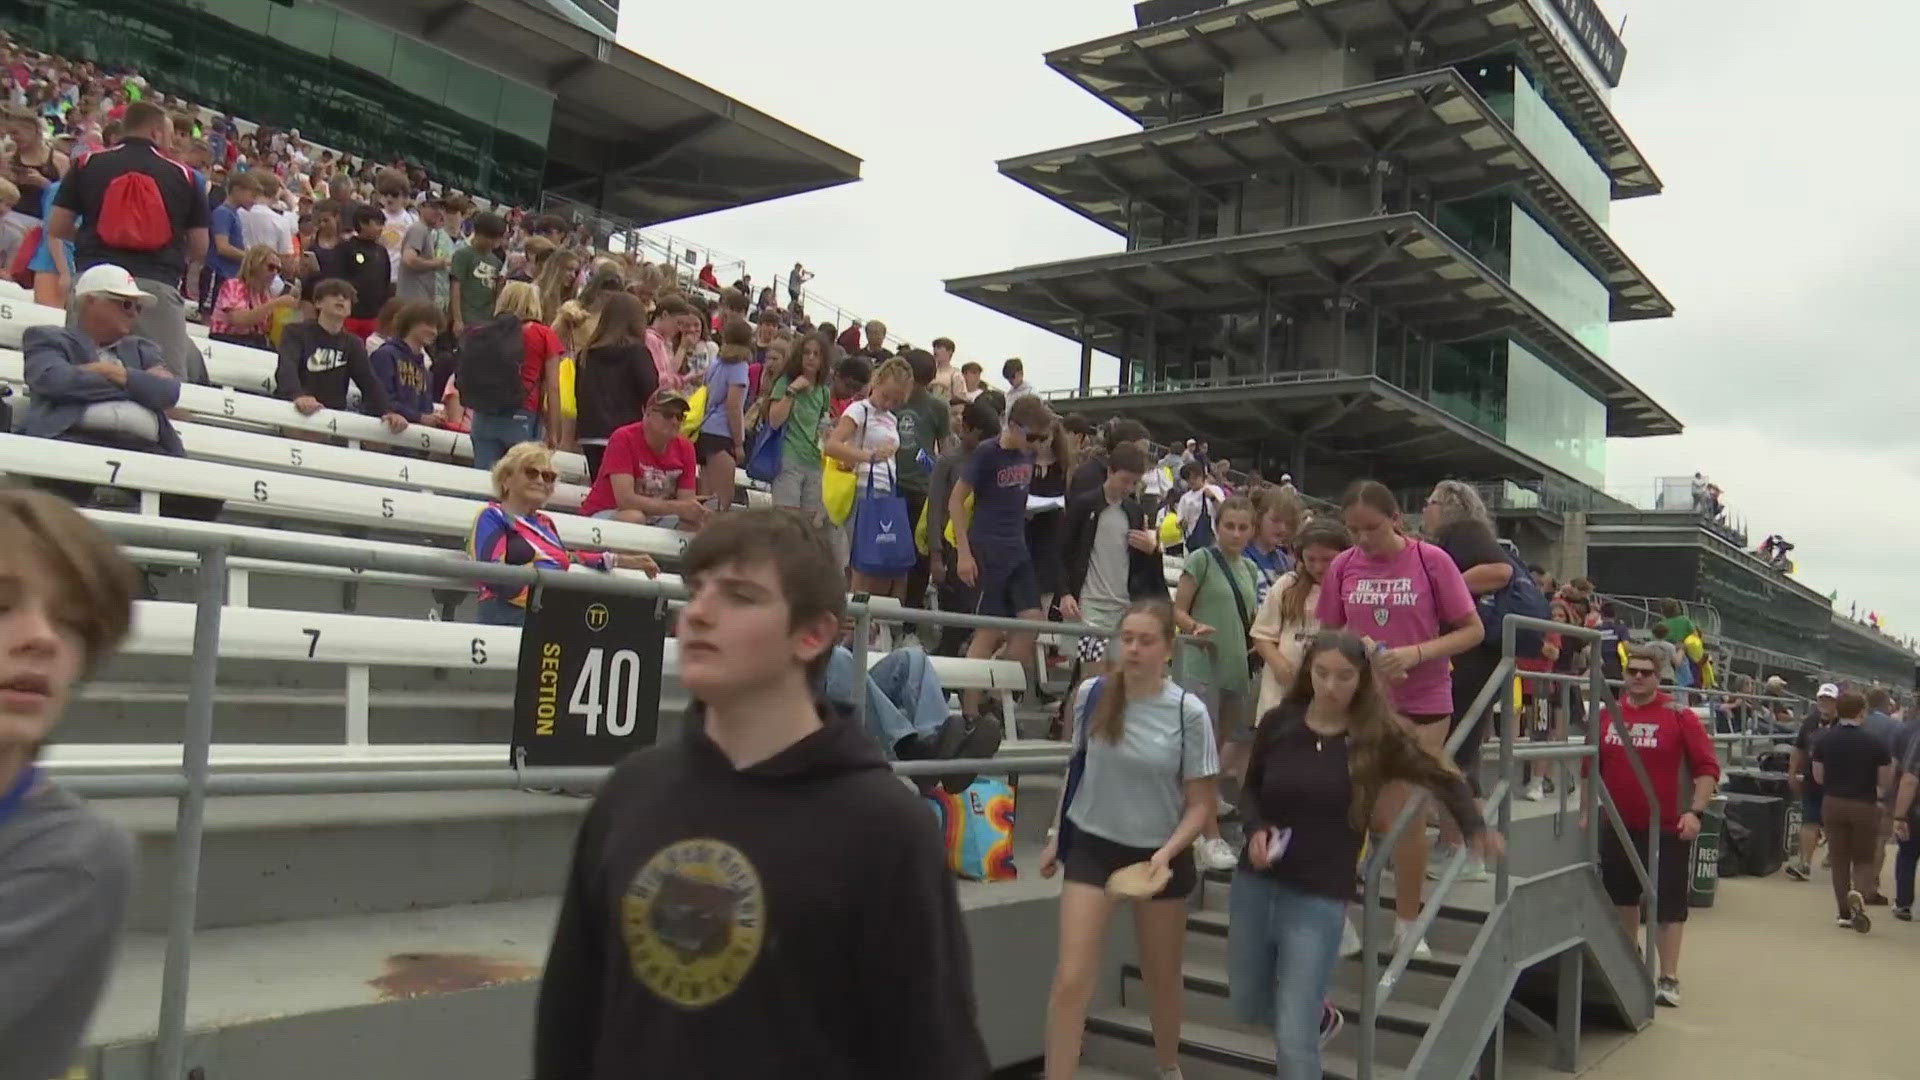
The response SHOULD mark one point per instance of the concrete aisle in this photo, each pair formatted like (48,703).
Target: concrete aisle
(1774,990)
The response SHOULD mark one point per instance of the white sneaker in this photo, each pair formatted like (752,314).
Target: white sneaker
(1475,870)
(1349,939)
(1214,854)
(1437,861)
(1535,791)
(1404,928)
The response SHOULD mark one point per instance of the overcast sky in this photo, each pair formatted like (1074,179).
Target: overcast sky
(1784,137)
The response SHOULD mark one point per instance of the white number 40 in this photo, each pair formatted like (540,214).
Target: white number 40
(621,700)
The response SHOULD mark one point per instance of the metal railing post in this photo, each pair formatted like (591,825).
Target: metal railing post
(169,1048)
(862,627)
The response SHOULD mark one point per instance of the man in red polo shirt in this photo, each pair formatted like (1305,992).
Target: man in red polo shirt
(1663,734)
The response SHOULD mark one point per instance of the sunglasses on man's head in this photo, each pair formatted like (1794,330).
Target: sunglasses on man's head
(1643,671)
(547,475)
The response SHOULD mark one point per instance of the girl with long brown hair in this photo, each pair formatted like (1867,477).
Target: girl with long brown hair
(1320,763)
(1286,621)
(1409,600)
(1141,789)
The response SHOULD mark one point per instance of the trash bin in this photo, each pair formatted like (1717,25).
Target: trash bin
(1705,859)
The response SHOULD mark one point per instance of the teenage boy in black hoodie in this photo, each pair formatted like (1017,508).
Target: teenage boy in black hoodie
(317,358)
(761,898)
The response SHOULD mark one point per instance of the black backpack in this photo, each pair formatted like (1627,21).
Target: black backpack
(489,372)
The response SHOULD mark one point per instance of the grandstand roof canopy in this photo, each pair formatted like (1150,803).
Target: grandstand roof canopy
(1140,70)
(1447,135)
(629,136)
(1364,419)
(1401,263)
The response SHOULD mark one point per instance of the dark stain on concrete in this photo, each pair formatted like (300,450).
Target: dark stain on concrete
(411,975)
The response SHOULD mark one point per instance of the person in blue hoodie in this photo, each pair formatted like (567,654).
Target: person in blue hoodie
(401,364)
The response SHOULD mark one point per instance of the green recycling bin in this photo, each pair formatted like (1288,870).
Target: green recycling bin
(1704,862)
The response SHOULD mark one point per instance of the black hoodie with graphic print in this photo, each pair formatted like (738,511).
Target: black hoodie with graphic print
(791,919)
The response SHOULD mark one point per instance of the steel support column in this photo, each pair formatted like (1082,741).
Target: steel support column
(1086,356)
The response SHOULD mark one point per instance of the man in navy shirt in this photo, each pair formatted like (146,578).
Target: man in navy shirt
(990,538)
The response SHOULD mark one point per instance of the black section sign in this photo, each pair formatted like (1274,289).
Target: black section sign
(588,688)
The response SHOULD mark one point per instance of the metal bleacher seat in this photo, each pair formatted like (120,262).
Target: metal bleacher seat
(298,496)
(360,643)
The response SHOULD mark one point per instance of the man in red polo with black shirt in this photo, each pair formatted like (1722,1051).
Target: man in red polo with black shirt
(1664,734)
(133,206)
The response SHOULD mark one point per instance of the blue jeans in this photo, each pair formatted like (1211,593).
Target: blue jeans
(493,433)
(499,611)
(1281,947)
(904,696)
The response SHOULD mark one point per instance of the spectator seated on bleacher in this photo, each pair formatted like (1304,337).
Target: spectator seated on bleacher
(647,474)
(513,529)
(99,384)
(907,710)
(317,358)
(245,306)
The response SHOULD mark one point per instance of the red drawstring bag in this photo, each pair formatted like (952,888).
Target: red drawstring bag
(133,215)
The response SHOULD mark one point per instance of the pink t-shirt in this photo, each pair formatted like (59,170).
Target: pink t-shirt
(1402,600)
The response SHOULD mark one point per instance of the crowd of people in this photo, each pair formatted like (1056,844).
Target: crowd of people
(1328,653)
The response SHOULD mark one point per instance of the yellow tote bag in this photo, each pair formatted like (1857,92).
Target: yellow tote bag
(949,531)
(1170,531)
(569,407)
(836,490)
(696,412)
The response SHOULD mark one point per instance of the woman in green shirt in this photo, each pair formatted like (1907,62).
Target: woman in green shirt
(1215,601)
(798,402)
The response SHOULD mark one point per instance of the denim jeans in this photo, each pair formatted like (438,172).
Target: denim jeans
(904,696)
(1281,947)
(1905,858)
(493,433)
(499,611)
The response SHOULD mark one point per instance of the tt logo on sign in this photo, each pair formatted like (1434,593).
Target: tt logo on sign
(597,617)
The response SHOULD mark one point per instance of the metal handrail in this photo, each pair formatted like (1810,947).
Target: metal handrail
(1375,987)
(195,782)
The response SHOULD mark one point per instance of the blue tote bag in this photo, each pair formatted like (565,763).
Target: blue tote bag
(882,533)
(763,454)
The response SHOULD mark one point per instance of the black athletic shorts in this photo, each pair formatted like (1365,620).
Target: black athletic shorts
(1623,885)
(709,444)
(1091,860)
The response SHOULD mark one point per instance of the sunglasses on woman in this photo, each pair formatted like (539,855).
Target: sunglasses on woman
(547,476)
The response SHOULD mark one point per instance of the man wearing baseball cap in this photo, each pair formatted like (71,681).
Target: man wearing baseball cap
(97,382)
(647,475)
(1826,702)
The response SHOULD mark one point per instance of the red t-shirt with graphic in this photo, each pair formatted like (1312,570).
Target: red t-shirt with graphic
(662,474)
(1664,734)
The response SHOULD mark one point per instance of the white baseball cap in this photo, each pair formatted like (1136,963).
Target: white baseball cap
(1827,689)
(109,280)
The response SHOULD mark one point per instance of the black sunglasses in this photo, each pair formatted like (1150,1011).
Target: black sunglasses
(1643,671)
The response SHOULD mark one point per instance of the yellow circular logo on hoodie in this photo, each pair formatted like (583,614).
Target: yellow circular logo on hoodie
(694,917)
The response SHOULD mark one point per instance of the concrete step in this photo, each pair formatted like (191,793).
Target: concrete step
(394,996)
(1122,1038)
(267,859)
